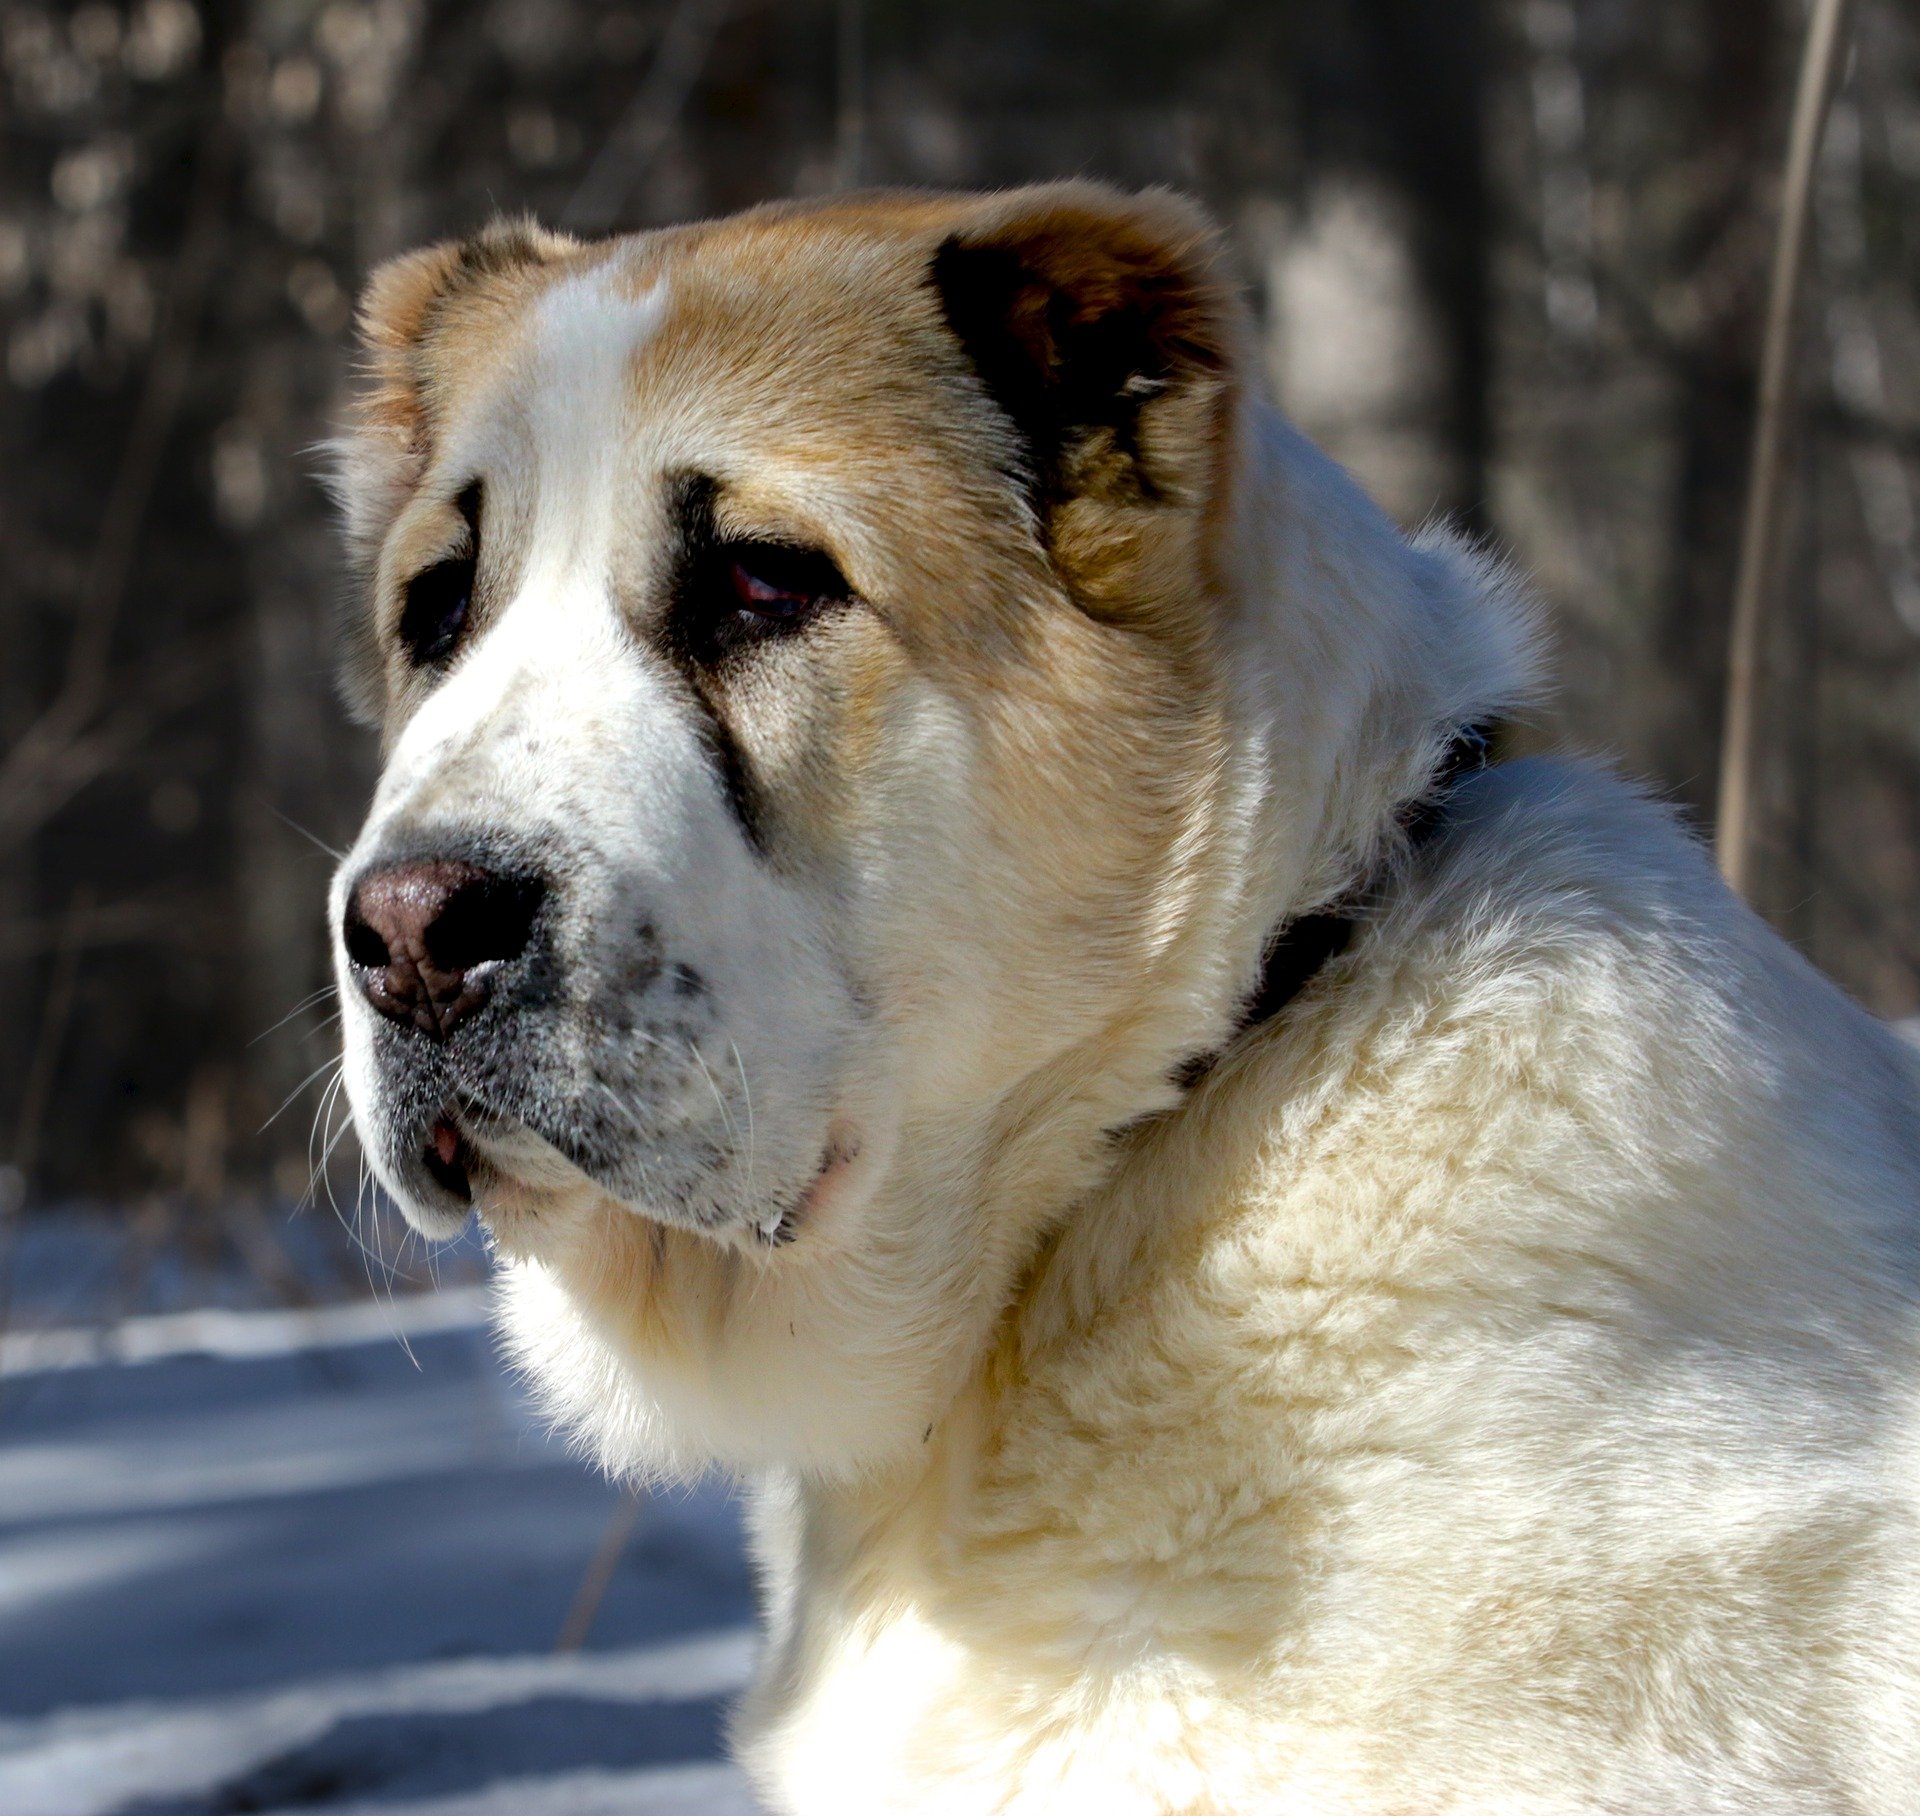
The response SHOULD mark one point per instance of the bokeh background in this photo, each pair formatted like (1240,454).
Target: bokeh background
(1508,258)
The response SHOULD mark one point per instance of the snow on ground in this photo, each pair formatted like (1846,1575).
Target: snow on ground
(281,1565)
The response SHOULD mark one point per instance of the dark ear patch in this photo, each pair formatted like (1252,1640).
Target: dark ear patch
(1080,310)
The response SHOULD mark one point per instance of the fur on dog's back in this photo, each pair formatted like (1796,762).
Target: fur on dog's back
(1495,1391)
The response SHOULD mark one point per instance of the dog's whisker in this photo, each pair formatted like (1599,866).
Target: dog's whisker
(332,1060)
(746,1093)
(300,1008)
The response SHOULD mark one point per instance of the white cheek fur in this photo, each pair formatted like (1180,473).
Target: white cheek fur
(556,727)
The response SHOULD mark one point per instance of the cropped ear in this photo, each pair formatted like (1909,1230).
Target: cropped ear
(374,467)
(386,449)
(1098,323)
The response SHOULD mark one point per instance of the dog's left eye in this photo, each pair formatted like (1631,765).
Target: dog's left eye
(769,584)
(739,595)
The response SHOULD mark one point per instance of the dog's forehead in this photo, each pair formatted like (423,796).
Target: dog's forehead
(582,341)
(787,316)
(803,366)
(585,329)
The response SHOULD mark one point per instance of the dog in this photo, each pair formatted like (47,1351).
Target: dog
(956,900)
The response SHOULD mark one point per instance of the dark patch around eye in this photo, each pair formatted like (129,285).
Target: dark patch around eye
(734,596)
(439,603)
(687,639)
(773,583)
(730,595)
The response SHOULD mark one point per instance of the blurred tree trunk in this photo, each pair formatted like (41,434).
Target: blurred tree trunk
(1739,126)
(1431,57)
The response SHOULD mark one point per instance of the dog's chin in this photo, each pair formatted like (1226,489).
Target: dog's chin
(532,1198)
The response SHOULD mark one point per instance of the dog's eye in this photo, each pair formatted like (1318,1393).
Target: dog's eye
(735,594)
(769,586)
(439,604)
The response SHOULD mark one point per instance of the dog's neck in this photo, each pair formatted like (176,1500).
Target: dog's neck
(1417,649)
(1350,662)
(1300,948)
(894,1512)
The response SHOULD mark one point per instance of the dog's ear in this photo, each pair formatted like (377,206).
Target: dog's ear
(1099,324)
(374,467)
(404,303)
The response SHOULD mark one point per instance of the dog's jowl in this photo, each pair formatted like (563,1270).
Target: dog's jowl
(957,903)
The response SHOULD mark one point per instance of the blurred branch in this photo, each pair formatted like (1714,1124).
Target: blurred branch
(598,1576)
(1856,425)
(641,132)
(850,78)
(1760,539)
(259,1245)
(50,765)
(54,1017)
(134,921)
(67,745)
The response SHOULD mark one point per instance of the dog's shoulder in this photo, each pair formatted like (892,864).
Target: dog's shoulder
(1559,1058)
(1581,952)
(1561,1028)
(1552,1256)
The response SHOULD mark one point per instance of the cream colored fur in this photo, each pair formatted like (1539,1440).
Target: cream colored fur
(1491,1389)
(1493,1392)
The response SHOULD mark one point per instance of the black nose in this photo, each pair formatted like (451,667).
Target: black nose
(427,937)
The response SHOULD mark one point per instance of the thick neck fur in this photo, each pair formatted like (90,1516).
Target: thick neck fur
(876,1580)
(1406,641)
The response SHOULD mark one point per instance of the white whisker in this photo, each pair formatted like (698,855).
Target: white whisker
(746,1092)
(332,1059)
(299,1008)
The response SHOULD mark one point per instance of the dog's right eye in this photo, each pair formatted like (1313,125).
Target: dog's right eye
(439,604)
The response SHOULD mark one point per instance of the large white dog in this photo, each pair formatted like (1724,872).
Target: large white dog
(941,886)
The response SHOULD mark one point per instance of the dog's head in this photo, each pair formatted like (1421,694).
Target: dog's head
(812,811)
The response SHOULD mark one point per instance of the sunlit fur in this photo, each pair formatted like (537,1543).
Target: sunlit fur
(1490,1388)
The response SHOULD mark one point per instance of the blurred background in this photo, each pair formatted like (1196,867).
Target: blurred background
(1509,262)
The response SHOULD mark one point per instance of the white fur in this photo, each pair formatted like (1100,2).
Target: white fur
(546,722)
(1495,1394)
(1492,1389)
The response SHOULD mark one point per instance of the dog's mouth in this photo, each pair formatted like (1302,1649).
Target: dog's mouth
(450,1158)
(471,1155)
(783,1222)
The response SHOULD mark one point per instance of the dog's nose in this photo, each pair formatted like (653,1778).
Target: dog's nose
(427,937)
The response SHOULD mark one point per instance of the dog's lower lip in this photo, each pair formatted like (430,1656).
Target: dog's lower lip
(842,1151)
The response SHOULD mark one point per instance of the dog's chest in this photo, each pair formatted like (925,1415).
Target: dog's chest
(899,1711)
(1052,1634)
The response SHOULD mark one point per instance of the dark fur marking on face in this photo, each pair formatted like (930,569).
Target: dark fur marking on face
(691,516)
(644,960)
(442,600)
(730,763)
(734,595)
